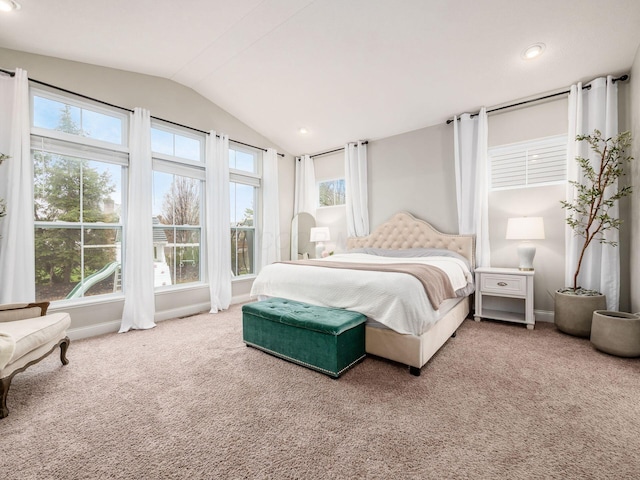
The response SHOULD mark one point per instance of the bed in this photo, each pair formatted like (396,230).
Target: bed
(404,325)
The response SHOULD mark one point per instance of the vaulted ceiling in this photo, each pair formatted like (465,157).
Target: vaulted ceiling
(343,69)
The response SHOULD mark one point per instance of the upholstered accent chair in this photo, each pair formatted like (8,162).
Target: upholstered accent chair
(27,335)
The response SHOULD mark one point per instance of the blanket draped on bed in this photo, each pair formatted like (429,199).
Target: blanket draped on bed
(436,283)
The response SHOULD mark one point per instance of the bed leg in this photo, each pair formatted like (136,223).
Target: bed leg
(414,371)
(453,335)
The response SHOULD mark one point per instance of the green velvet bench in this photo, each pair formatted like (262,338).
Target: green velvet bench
(329,340)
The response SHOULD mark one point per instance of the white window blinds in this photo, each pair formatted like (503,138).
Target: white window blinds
(529,164)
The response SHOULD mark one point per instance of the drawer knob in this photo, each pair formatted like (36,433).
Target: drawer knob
(502,284)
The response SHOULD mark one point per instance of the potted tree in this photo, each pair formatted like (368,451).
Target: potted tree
(588,217)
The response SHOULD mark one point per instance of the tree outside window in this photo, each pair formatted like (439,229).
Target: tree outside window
(331,192)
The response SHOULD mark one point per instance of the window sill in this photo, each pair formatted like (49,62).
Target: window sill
(180,288)
(84,301)
(244,278)
(322,207)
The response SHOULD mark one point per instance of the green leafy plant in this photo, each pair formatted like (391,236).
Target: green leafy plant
(588,214)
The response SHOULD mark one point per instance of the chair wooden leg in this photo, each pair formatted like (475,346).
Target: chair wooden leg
(4,390)
(64,344)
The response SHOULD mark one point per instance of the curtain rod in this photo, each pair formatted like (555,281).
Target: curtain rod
(102,102)
(334,151)
(586,87)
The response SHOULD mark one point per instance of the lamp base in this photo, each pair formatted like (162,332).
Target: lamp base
(319,249)
(526,253)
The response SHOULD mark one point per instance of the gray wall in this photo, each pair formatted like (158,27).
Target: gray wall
(171,101)
(415,172)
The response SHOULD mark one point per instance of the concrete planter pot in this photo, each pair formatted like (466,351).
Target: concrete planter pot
(573,313)
(617,333)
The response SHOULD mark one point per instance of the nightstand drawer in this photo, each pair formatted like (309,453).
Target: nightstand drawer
(504,284)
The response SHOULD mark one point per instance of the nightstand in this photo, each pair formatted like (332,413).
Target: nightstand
(505,294)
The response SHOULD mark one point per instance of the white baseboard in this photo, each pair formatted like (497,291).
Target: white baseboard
(182,311)
(114,325)
(241,299)
(94,330)
(543,316)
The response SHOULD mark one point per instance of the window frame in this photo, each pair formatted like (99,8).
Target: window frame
(184,167)
(63,144)
(255,152)
(318,183)
(182,132)
(253,179)
(81,103)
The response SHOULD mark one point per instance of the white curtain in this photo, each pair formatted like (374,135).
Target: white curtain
(218,221)
(17,264)
(472,179)
(139,300)
(305,195)
(306,198)
(596,108)
(357,204)
(270,241)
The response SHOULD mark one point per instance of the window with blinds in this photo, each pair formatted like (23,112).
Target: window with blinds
(529,164)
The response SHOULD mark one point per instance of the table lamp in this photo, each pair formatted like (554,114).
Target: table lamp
(526,229)
(319,235)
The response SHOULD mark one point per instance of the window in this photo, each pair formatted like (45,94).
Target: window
(178,186)
(331,192)
(77,197)
(64,117)
(179,144)
(529,164)
(245,170)
(243,159)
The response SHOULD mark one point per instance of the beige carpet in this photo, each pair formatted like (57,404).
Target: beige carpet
(189,400)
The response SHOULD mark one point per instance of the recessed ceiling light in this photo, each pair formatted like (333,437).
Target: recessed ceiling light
(303,131)
(533,51)
(9,5)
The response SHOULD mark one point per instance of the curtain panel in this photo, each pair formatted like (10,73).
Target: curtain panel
(596,108)
(305,195)
(139,300)
(270,241)
(218,221)
(357,201)
(305,198)
(17,263)
(472,180)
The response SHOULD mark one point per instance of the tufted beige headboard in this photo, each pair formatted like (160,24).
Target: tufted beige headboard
(403,230)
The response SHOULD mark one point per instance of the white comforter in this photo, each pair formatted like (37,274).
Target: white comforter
(397,300)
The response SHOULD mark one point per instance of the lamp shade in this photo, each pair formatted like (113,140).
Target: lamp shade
(525,228)
(319,234)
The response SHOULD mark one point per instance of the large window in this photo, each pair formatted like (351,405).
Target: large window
(178,184)
(245,171)
(529,164)
(78,197)
(81,157)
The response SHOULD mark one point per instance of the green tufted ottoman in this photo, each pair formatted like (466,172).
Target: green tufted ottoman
(329,340)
